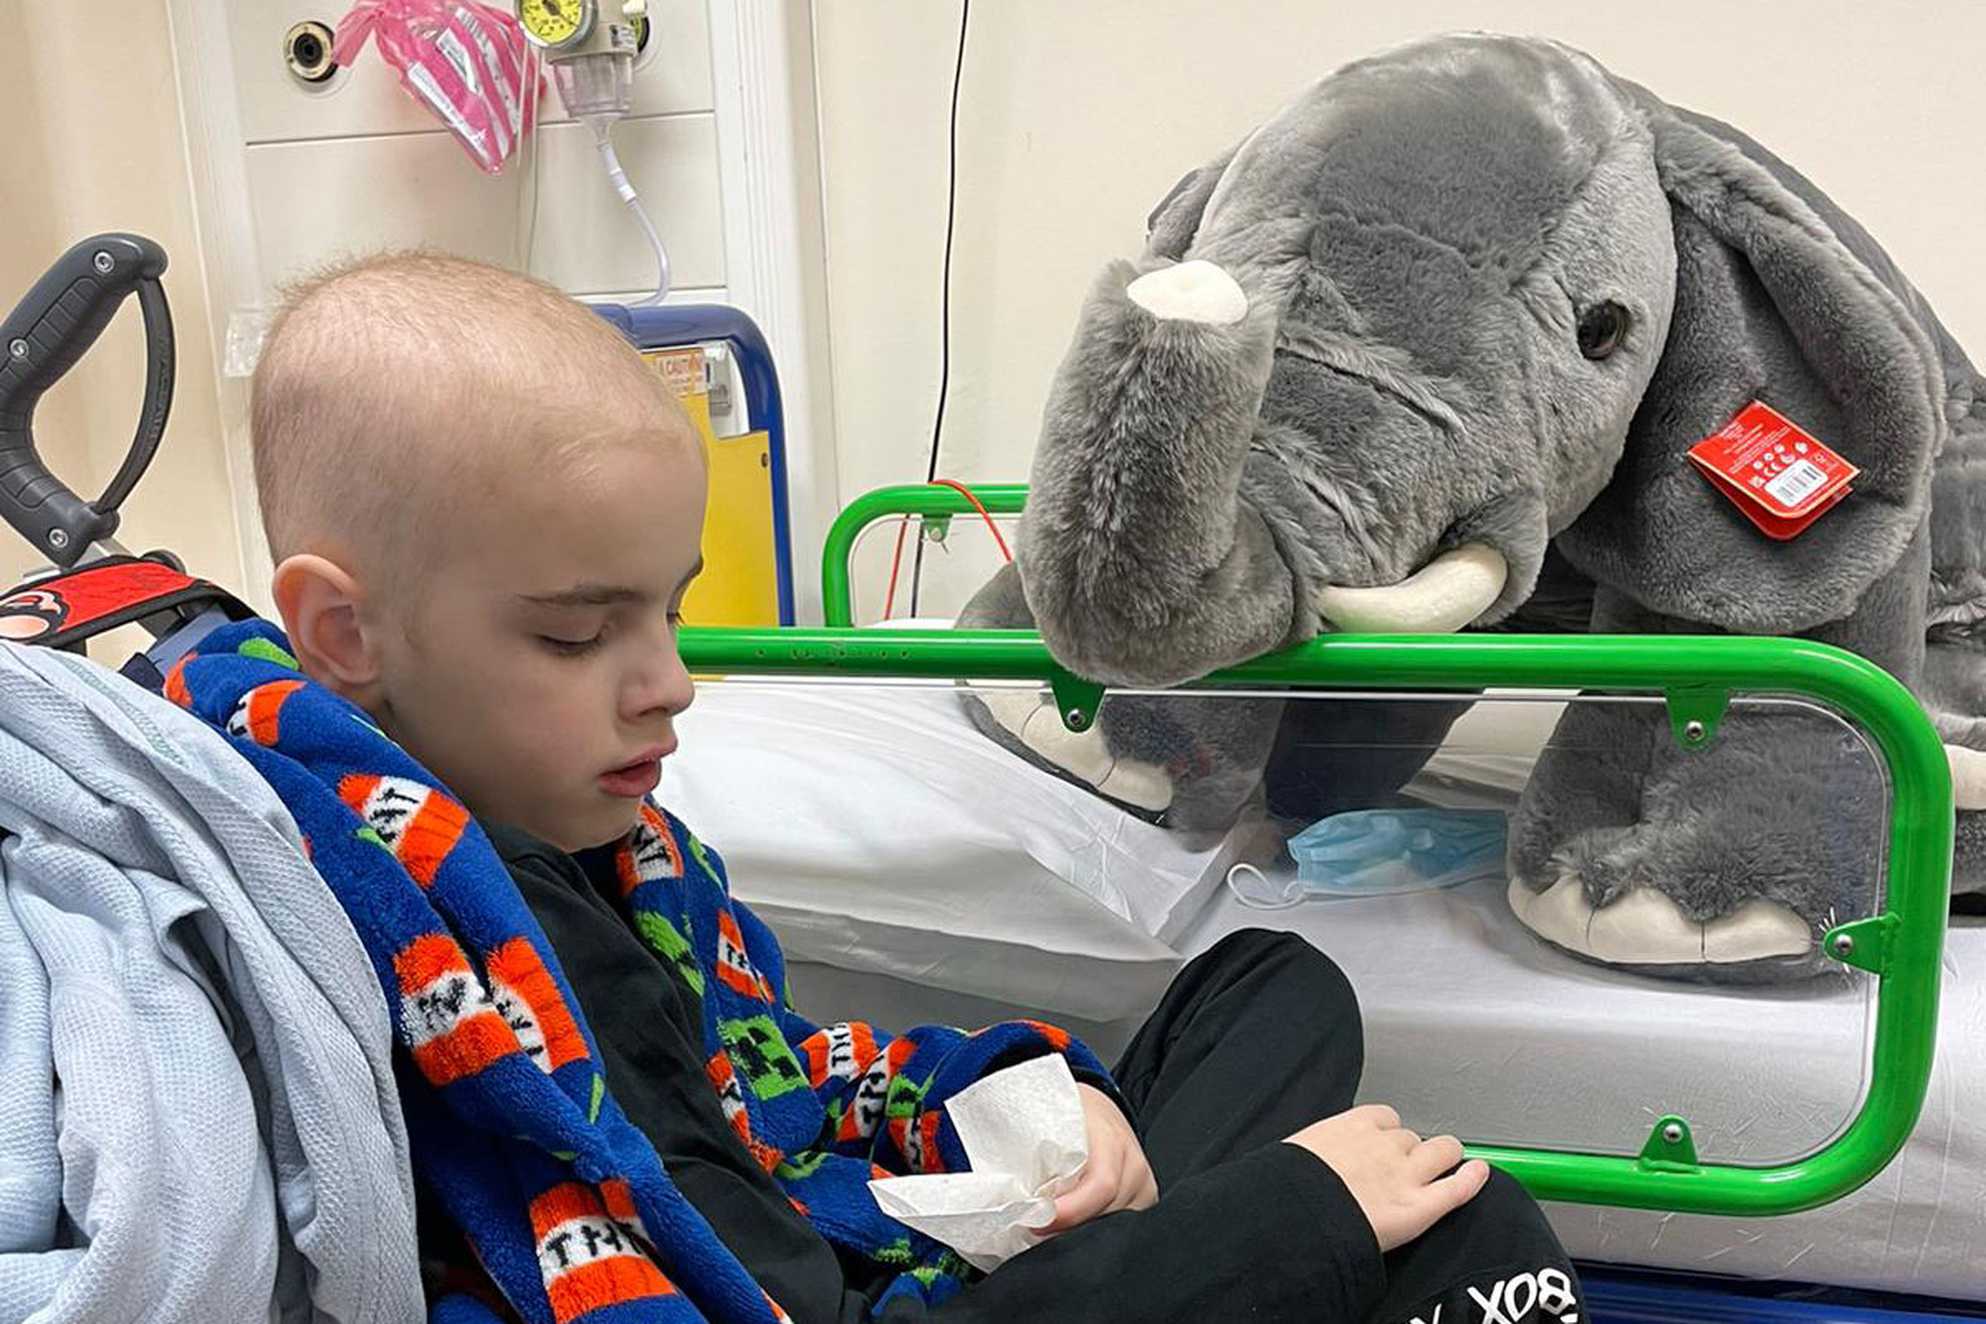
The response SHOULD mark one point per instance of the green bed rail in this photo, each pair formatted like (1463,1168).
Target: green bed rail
(1901,947)
(932,502)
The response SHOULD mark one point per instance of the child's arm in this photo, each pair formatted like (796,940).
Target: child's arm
(886,1092)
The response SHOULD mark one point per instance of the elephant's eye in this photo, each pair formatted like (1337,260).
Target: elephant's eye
(1601,329)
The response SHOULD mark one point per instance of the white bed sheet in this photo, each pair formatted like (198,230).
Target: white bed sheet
(925,870)
(1472,1026)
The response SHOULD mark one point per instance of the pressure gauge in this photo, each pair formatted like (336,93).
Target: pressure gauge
(556,24)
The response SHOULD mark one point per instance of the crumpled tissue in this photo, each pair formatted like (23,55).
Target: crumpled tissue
(1023,1129)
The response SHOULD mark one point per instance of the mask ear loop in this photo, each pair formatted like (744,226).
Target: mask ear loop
(1267,898)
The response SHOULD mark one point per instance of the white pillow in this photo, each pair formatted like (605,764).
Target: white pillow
(877,829)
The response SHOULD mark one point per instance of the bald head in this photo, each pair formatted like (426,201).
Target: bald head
(394,390)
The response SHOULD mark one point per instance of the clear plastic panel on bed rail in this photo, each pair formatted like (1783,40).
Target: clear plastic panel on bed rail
(1573,921)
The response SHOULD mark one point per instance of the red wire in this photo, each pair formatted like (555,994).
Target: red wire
(896,564)
(967,493)
(896,558)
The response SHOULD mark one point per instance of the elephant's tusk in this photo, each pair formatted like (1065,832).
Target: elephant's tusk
(1968,777)
(1443,595)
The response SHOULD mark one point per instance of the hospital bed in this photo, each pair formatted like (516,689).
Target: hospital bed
(918,871)
(960,880)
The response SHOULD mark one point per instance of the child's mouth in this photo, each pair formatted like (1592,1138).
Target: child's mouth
(634,780)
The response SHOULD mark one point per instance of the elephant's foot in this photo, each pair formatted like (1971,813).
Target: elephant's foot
(1083,756)
(1645,929)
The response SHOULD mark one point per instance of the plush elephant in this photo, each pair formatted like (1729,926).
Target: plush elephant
(1426,352)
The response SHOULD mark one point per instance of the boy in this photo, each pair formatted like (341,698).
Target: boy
(484,511)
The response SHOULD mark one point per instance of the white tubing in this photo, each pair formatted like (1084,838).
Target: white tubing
(633,200)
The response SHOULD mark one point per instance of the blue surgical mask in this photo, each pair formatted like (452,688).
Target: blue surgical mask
(1380,852)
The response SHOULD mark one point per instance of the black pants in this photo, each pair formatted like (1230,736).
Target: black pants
(1260,1037)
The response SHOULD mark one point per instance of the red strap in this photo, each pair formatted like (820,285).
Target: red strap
(68,608)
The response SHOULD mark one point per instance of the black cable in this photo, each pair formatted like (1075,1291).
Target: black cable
(945,297)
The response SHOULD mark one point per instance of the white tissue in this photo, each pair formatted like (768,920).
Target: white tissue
(1023,1130)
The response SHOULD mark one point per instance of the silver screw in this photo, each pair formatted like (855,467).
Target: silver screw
(104,262)
(1844,944)
(1075,719)
(58,538)
(1693,731)
(1673,1133)
(19,349)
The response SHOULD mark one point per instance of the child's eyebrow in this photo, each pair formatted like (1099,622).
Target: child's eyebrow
(602,595)
(588,595)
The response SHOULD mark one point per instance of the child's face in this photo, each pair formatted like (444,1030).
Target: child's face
(538,675)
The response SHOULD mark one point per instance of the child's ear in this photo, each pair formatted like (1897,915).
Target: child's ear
(320,603)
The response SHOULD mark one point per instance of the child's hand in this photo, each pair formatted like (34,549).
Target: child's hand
(1117,1175)
(1395,1176)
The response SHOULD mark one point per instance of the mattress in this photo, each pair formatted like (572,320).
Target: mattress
(915,872)
(1474,1027)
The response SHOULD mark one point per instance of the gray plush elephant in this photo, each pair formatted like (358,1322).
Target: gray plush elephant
(1426,352)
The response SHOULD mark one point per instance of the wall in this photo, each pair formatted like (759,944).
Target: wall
(93,144)
(100,138)
(289,176)
(355,165)
(1075,119)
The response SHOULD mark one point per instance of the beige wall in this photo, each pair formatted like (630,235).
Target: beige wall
(1075,119)
(92,144)
(355,164)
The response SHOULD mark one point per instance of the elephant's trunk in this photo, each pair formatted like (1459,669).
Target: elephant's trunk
(1148,556)
(1141,563)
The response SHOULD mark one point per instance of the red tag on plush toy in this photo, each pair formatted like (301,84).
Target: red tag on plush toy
(1779,476)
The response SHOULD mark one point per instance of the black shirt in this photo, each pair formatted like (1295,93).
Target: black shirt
(1245,1234)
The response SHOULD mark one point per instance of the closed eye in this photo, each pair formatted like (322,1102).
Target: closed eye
(572,647)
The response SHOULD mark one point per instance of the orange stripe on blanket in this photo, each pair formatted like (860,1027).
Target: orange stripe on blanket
(471,1047)
(587,1253)
(1057,1037)
(431,836)
(734,967)
(418,823)
(426,959)
(619,1200)
(927,1137)
(451,1026)
(265,704)
(356,788)
(175,683)
(563,1203)
(841,1051)
(612,1281)
(653,855)
(516,966)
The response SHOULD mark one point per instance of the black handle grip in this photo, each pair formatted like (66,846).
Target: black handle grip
(43,337)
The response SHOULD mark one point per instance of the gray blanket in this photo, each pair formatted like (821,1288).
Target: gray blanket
(197,1112)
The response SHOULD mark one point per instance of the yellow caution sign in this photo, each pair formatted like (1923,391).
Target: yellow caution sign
(740,580)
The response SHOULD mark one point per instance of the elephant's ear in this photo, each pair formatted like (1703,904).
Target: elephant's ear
(1781,298)
(1169,230)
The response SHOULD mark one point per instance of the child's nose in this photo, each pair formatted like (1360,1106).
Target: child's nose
(664,687)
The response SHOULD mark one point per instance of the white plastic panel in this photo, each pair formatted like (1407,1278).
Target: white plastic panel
(367,98)
(316,200)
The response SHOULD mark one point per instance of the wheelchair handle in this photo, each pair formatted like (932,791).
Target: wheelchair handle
(43,337)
